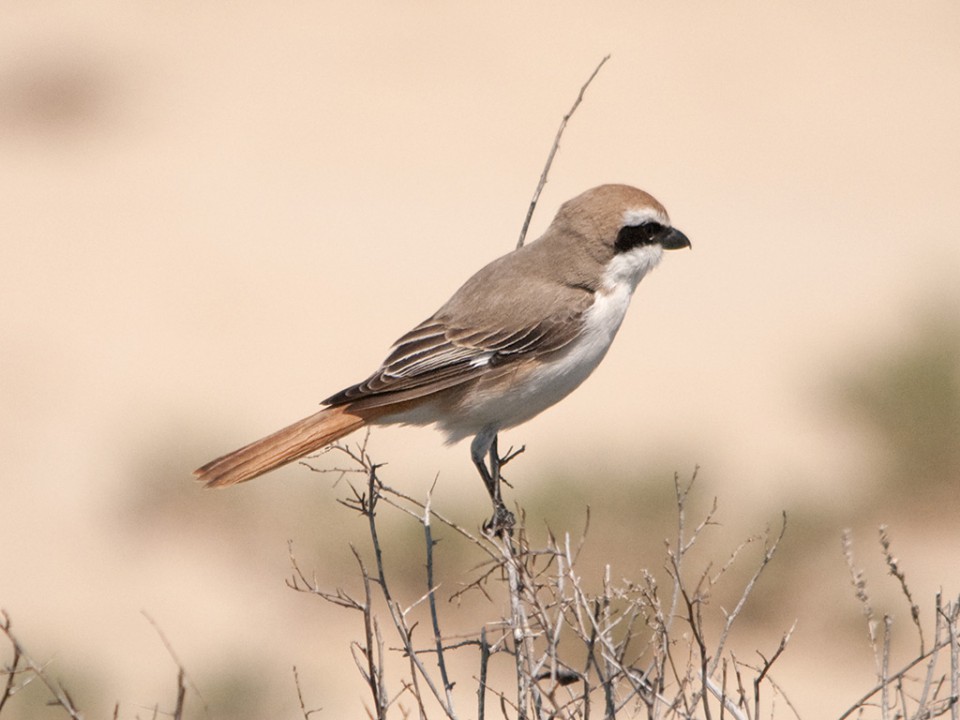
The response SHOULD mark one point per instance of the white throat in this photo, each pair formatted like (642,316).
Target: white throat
(627,269)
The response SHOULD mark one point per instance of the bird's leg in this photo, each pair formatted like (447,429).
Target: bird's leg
(495,471)
(492,485)
(478,453)
(486,444)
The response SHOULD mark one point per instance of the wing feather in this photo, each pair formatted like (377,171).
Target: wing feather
(440,353)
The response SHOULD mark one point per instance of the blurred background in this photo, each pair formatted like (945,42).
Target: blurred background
(214,215)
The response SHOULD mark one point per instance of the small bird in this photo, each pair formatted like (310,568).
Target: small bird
(517,337)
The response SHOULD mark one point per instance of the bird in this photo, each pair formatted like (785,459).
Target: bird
(517,337)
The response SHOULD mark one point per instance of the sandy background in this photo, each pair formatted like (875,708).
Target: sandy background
(214,215)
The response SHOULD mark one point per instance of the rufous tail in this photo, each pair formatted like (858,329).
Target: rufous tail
(286,445)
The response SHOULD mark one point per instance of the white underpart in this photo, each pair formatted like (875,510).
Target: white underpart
(556,379)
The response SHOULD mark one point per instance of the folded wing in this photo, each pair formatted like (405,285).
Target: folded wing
(438,354)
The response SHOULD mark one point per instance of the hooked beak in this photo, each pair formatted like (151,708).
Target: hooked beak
(673,239)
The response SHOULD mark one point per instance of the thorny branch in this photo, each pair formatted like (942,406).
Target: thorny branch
(894,700)
(543,617)
(549,616)
(35,670)
(632,654)
(23,670)
(432,596)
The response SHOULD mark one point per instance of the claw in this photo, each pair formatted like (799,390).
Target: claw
(502,522)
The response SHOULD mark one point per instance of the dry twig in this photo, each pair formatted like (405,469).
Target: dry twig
(553,152)
(303,707)
(61,697)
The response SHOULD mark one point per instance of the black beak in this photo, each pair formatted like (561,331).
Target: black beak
(673,239)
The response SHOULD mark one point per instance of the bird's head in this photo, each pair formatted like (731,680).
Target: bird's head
(623,227)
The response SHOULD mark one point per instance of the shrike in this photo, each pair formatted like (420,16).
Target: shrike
(516,338)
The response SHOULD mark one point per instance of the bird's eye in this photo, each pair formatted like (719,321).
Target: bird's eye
(632,236)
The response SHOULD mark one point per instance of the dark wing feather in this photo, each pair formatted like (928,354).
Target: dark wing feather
(519,306)
(437,354)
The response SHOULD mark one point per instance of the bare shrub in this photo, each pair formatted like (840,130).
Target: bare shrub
(629,648)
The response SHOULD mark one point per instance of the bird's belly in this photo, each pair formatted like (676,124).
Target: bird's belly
(533,390)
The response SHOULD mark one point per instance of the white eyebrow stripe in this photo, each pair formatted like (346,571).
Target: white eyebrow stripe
(643,215)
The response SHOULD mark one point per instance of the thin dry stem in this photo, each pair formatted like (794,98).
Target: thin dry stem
(894,566)
(61,697)
(553,152)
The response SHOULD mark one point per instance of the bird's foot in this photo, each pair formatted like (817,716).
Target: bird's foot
(502,522)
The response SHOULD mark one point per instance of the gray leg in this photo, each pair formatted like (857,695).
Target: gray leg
(495,465)
(484,444)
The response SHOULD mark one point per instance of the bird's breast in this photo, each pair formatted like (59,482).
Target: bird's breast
(533,385)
